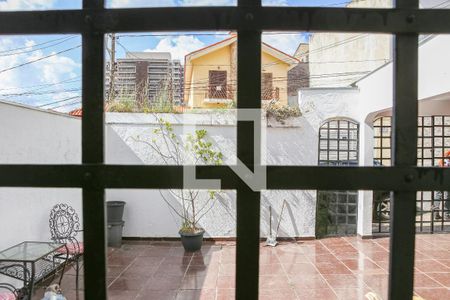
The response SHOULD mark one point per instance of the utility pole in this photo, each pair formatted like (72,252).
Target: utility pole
(112,67)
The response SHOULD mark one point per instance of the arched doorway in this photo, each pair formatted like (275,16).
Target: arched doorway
(337,211)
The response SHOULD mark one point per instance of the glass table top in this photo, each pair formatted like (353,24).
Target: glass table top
(29,251)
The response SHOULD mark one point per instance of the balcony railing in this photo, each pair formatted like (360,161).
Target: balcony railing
(225,93)
(219,93)
(270,94)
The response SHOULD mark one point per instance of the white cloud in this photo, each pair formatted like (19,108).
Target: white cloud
(286,42)
(178,46)
(141,3)
(26,4)
(207,2)
(47,71)
(275,3)
(54,68)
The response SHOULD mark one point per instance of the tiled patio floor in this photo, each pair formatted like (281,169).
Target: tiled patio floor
(333,268)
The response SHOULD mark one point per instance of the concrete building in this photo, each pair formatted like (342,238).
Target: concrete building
(148,76)
(339,59)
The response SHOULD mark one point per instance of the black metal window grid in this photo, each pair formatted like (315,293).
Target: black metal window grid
(249,19)
(339,143)
(432,144)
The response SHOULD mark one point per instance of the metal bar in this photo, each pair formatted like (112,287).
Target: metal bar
(248,201)
(93,152)
(229,18)
(404,153)
(278,177)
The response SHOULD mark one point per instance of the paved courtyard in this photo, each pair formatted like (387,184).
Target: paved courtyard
(332,268)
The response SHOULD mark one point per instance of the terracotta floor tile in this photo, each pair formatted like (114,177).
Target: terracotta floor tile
(157,295)
(226,294)
(349,268)
(225,282)
(431,265)
(423,281)
(344,281)
(363,266)
(114,271)
(199,282)
(309,281)
(202,270)
(442,278)
(277,294)
(158,282)
(433,294)
(290,258)
(352,293)
(332,268)
(209,294)
(120,260)
(445,262)
(205,260)
(316,294)
(300,269)
(271,270)
(122,295)
(139,271)
(171,269)
(129,284)
(274,282)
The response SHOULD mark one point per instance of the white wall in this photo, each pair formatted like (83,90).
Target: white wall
(372,96)
(37,136)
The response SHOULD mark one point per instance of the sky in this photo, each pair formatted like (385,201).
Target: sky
(45,70)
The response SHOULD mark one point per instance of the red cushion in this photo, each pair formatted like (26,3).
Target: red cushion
(72,248)
(7,296)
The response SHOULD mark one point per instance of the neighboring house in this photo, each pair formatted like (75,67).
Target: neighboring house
(298,76)
(338,59)
(147,76)
(210,75)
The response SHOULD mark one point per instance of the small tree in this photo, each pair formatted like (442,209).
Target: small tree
(197,148)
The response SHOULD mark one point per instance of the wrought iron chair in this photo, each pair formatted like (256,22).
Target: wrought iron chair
(8,292)
(64,228)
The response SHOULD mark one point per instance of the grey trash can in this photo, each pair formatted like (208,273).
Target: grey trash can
(115,233)
(114,211)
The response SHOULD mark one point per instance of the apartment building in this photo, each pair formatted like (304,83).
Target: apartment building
(147,76)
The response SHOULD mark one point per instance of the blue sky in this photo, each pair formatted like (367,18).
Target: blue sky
(51,64)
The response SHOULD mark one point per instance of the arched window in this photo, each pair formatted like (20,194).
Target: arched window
(337,210)
(338,143)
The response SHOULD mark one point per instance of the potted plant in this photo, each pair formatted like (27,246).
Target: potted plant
(192,205)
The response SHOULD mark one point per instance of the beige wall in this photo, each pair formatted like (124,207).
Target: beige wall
(339,59)
(279,69)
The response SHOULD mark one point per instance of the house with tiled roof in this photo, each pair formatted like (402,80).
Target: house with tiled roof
(210,75)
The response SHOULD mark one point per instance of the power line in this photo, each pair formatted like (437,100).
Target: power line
(56,102)
(39,59)
(69,80)
(37,49)
(40,44)
(34,93)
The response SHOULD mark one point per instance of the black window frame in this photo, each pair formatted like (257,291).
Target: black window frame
(249,19)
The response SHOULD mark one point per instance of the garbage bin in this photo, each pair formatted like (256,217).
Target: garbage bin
(115,233)
(114,211)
